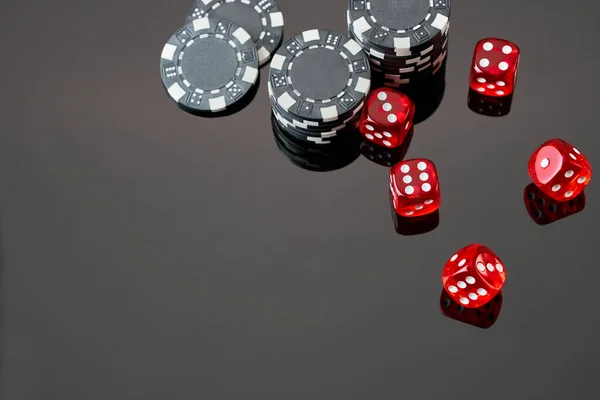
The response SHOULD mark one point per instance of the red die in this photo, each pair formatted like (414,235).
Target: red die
(387,118)
(544,210)
(414,187)
(473,276)
(494,67)
(482,317)
(559,170)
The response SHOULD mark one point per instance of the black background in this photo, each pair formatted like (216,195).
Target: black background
(150,254)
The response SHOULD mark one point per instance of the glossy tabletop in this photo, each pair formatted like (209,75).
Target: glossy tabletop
(151,254)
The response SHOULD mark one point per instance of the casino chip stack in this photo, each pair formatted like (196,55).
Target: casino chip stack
(405,40)
(318,84)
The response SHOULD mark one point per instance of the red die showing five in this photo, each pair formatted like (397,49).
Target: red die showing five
(473,276)
(414,187)
(559,170)
(387,118)
(494,67)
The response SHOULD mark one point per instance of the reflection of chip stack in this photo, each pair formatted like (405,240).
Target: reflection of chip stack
(405,40)
(318,84)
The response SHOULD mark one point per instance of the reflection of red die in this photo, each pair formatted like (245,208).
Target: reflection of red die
(494,67)
(473,276)
(482,317)
(415,187)
(544,210)
(387,118)
(559,170)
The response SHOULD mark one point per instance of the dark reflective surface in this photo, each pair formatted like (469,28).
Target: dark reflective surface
(150,254)
(489,106)
(384,156)
(544,210)
(483,317)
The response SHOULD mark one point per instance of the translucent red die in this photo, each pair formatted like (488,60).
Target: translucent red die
(473,276)
(494,67)
(482,317)
(415,187)
(560,170)
(388,117)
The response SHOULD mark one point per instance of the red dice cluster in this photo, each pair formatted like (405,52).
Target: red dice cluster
(473,276)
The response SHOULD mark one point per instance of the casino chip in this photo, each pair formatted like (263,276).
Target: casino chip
(318,84)
(260,18)
(405,40)
(209,65)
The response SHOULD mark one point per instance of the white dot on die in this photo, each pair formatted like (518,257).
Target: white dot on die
(569,193)
(409,213)
(424,176)
(484,62)
(369,136)
(544,163)
(409,190)
(407,179)
(490,267)
(462,262)
(576,151)
(581,180)
(419,207)
(499,267)
(382,96)
(490,86)
(481,89)
(569,173)
(481,80)
(387,134)
(426,187)
(464,300)
(454,257)
(422,166)
(452,289)
(482,291)
(470,280)
(378,136)
(480,266)
(392,118)
(461,284)
(428,201)
(387,107)
(556,188)
(487,46)
(405,168)
(572,156)
(499,92)
(506,49)
(503,65)
(387,143)
(500,83)
(369,127)
(472,296)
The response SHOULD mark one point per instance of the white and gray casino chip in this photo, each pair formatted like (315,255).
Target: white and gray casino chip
(262,19)
(218,46)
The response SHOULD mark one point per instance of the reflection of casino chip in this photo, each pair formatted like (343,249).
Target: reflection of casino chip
(405,41)
(316,157)
(213,45)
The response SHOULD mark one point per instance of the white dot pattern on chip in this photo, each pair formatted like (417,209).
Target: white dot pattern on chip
(382,96)
(487,46)
(556,188)
(409,190)
(470,280)
(569,173)
(405,168)
(503,65)
(544,163)
(452,289)
(484,62)
(426,187)
(481,291)
(461,284)
(506,49)
(454,257)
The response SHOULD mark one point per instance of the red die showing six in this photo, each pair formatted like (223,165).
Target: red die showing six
(414,187)
(494,67)
(387,118)
(559,170)
(473,276)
